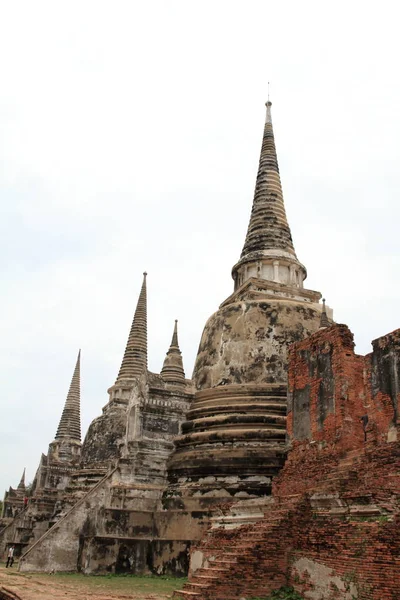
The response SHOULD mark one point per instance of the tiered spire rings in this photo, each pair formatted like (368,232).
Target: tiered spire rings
(70,422)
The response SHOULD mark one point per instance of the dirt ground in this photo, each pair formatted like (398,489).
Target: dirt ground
(80,587)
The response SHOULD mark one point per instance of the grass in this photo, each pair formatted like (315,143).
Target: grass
(151,584)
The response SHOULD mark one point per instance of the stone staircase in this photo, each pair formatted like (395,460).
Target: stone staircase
(252,560)
(222,578)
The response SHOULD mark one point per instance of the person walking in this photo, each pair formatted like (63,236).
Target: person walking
(10,557)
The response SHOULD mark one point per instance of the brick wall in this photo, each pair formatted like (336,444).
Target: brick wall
(333,532)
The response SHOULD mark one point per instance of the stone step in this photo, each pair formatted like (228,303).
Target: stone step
(196,586)
(186,594)
(206,571)
(221,561)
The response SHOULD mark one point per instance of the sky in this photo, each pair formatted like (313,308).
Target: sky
(130,134)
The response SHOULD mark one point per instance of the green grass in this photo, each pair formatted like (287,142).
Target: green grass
(139,583)
(151,584)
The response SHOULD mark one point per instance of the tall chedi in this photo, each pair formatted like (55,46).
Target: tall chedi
(106,433)
(67,443)
(53,475)
(234,439)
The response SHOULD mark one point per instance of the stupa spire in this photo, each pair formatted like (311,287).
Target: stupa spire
(324,321)
(174,341)
(21,485)
(172,370)
(268,237)
(70,422)
(135,356)
(268,227)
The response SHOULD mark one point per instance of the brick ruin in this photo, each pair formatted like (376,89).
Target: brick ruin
(250,475)
(331,526)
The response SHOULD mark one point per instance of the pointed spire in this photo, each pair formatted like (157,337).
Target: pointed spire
(268,237)
(172,371)
(70,422)
(174,341)
(324,321)
(135,356)
(268,227)
(21,485)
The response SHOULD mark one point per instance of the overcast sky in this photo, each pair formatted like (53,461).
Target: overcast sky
(130,135)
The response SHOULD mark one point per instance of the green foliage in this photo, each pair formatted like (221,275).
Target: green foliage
(349,578)
(284,593)
(383,519)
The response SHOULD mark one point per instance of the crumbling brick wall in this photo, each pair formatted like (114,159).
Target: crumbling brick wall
(330,389)
(335,531)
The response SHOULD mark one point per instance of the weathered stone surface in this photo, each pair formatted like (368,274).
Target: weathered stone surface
(70,423)
(134,362)
(247,341)
(104,437)
(172,370)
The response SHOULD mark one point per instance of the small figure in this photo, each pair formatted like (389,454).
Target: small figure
(364,421)
(10,557)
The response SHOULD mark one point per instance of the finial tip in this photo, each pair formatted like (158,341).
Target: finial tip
(145,273)
(268,104)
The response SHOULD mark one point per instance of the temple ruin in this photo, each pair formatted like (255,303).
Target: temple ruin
(271,466)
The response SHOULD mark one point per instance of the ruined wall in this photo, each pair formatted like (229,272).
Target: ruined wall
(96,536)
(334,532)
(139,542)
(58,548)
(24,529)
(384,374)
(330,389)
(135,556)
(322,557)
(326,389)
